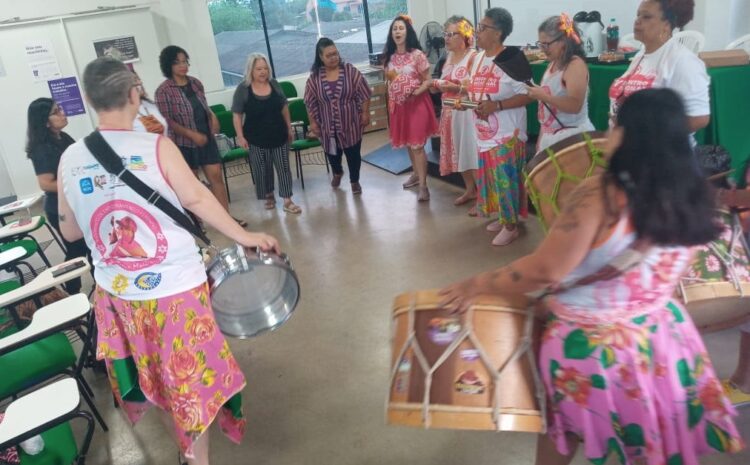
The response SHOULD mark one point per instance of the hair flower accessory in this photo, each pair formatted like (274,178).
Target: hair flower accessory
(406,18)
(566,26)
(465,29)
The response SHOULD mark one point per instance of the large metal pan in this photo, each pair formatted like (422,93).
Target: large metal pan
(251,293)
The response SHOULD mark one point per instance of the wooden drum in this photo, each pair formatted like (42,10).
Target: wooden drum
(474,371)
(554,172)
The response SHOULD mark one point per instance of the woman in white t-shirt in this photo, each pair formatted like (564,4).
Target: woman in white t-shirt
(149,117)
(664,62)
(500,127)
(565,85)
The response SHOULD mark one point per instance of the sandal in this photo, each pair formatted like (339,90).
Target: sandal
(356,188)
(292,208)
(735,395)
(240,222)
(411,182)
(270,202)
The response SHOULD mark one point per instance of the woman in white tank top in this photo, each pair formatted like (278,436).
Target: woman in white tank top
(565,85)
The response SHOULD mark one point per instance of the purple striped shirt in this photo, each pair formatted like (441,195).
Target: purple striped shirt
(337,108)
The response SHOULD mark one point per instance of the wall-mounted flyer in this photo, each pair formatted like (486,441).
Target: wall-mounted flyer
(67,94)
(42,60)
(121,48)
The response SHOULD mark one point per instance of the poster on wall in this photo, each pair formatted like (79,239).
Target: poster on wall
(121,48)
(42,60)
(67,94)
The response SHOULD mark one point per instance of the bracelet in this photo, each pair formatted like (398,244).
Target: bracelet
(501,105)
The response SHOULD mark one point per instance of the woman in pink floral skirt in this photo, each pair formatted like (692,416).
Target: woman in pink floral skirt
(624,368)
(412,116)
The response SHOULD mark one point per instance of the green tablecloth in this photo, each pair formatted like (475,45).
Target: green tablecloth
(730,99)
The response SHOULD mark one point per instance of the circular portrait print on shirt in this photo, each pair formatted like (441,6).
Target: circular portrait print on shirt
(128,236)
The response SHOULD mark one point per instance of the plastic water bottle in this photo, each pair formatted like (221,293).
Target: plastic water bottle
(33,445)
(613,35)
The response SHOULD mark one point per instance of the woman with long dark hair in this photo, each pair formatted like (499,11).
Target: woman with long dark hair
(623,365)
(565,85)
(45,143)
(412,116)
(337,98)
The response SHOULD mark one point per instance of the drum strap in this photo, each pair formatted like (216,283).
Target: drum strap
(112,162)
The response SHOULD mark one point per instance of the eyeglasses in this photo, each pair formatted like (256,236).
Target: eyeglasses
(448,35)
(481,27)
(547,44)
(57,111)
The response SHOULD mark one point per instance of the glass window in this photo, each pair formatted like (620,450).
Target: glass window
(382,13)
(238,31)
(294,27)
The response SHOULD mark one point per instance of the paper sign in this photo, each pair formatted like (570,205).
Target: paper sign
(67,94)
(42,60)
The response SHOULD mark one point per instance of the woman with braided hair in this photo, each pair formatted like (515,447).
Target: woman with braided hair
(565,85)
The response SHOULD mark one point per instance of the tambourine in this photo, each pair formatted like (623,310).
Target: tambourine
(251,293)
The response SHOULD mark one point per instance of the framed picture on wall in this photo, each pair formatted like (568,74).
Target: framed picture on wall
(121,48)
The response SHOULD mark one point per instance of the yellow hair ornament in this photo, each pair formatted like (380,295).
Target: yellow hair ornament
(566,26)
(464,28)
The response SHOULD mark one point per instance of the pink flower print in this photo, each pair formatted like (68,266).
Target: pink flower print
(713,265)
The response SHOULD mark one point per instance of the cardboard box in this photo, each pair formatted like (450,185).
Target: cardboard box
(717,58)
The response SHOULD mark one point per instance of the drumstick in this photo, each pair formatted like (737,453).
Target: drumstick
(720,175)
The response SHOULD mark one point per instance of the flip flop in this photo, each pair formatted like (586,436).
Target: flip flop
(736,397)
(293,209)
(270,204)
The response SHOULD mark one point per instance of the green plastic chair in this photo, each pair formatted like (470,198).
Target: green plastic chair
(31,247)
(301,120)
(288,88)
(218,108)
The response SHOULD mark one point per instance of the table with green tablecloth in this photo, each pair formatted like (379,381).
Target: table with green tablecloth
(730,116)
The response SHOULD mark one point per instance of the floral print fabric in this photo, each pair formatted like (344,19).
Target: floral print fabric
(499,183)
(634,380)
(183,364)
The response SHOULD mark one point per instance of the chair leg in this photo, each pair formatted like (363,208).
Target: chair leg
(54,235)
(81,459)
(91,405)
(41,252)
(226,182)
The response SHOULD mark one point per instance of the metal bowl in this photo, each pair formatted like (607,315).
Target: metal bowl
(251,294)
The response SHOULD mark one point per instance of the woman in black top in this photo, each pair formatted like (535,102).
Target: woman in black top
(266,131)
(45,145)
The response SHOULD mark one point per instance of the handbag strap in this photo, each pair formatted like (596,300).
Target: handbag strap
(110,161)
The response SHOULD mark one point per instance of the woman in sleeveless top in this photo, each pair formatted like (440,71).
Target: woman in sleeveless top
(458,146)
(157,333)
(624,368)
(263,125)
(565,85)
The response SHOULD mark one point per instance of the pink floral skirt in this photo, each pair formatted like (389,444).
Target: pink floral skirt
(169,353)
(642,388)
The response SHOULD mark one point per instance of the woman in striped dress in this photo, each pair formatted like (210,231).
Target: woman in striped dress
(337,98)
(263,125)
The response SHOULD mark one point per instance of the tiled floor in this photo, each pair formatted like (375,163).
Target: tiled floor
(316,387)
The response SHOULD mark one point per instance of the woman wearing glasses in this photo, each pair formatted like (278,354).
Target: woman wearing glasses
(664,62)
(410,110)
(565,85)
(192,124)
(337,98)
(149,117)
(500,126)
(458,146)
(45,144)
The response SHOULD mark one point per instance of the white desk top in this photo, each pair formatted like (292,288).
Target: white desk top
(55,315)
(15,228)
(20,204)
(11,254)
(43,282)
(39,407)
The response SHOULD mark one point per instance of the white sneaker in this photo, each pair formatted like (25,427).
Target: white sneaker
(495,226)
(505,237)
